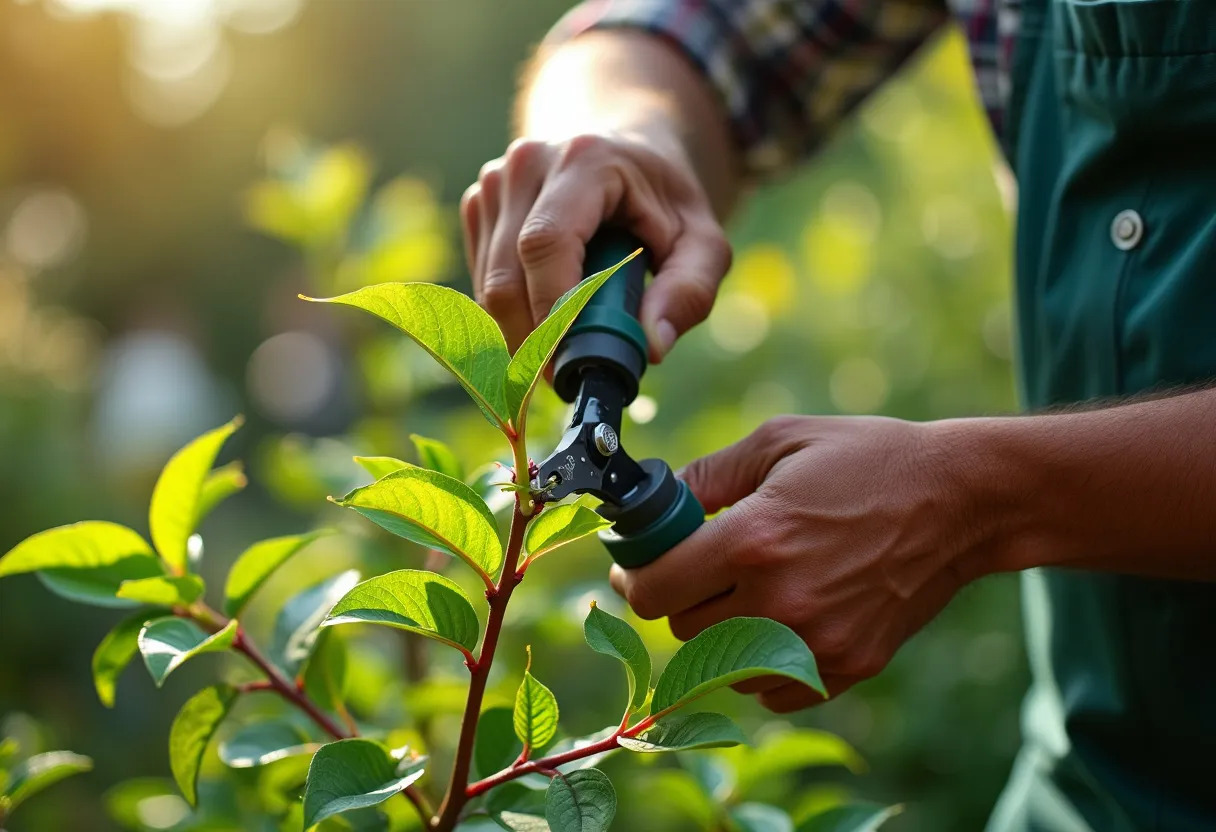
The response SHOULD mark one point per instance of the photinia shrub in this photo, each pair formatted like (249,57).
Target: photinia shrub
(511,765)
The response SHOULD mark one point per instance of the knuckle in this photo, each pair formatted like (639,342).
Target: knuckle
(540,237)
(777,428)
(522,154)
(583,147)
(501,290)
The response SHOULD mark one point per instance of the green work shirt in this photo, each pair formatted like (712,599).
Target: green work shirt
(1113,140)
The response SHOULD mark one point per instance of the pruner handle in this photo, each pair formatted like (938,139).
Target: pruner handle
(607,333)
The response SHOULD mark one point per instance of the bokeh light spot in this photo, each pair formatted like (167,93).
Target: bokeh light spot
(643,409)
(739,322)
(292,375)
(858,385)
(45,230)
(766,273)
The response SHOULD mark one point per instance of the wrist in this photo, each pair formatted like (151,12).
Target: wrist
(998,492)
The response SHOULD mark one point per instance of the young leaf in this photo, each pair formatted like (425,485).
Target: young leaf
(98,585)
(114,654)
(437,456)
(729,652)
(412,600)
(220,484)
(495,745)
(380,466)
(256,564)
(39,772)
(792,751)
(296,628)
(354,774)
(167,643)
(536,711)
(449,325)
(163,591)
(558,525)
(192,730)
(582,801)
(686,732)
(263,743)
(433,510)
(854,817)
(537,349)
(87,545)
(760,817)
(611,636)
(176,499)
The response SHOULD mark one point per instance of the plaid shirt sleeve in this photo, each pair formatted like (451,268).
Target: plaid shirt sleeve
(788,71)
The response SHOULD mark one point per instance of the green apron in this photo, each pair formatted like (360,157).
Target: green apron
(1113,140)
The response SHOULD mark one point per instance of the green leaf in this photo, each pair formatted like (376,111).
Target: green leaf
(380,466)
(792,751)
(163,591)
(537,349)
(760,817)
(582,801)
(114,654)
(297,627)
(265,742)
(167,643)
(611,636)
(495,746)
(354,774)
(558,525)
(192,730)
(686,732)
(325,676)
(451,327)
(535,710)
(220,484)
(177,498)
(855,817)
(256,564)
(39,772)
(412,600)
(729,652)
(87,545)
(98,585)
(437,456)
(434,510)
(673,797)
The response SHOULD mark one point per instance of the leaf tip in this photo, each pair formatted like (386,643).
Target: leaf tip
(594,605)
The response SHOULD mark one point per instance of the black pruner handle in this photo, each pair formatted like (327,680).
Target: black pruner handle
(606,333)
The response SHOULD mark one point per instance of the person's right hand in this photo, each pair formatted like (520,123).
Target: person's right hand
(532,211)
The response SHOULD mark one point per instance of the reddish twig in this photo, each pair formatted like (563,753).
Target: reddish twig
(454,801)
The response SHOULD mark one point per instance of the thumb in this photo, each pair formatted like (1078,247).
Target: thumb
(685,285)
(727,476)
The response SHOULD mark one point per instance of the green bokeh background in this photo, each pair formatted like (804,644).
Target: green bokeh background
(873,280)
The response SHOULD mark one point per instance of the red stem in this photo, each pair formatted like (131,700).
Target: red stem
(546,764)
(282,686)
(456,797)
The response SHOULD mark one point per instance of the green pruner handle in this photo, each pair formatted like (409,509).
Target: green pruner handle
(606,333)
(661,515)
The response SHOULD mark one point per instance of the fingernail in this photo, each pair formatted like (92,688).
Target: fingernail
(665,337)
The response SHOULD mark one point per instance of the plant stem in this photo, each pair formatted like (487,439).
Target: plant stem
(282,686)
(546,764)
(523,498)
(456,797)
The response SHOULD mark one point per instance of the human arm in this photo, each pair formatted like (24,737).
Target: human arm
(856,531)
(653,114)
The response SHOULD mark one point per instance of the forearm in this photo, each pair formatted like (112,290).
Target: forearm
(1127,489)
(630,83)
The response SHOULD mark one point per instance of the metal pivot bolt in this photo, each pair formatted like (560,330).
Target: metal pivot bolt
(606,440)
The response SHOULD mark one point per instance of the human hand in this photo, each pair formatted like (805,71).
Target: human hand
(531,212)
(849,530)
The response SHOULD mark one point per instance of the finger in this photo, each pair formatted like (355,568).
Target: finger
(506,291)
(795,696)
(729,475)
(688,624)
(691,573)
(553,237)
(470,221)
(760,684)
(686,284)
(489,184)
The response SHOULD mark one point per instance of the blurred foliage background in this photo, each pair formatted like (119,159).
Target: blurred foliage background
(174,172)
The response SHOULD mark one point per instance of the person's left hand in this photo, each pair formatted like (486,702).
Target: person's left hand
(853,531)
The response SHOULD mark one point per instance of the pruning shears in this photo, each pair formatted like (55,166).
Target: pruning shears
(598,366)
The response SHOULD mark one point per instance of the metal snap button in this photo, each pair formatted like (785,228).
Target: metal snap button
(1126,230)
